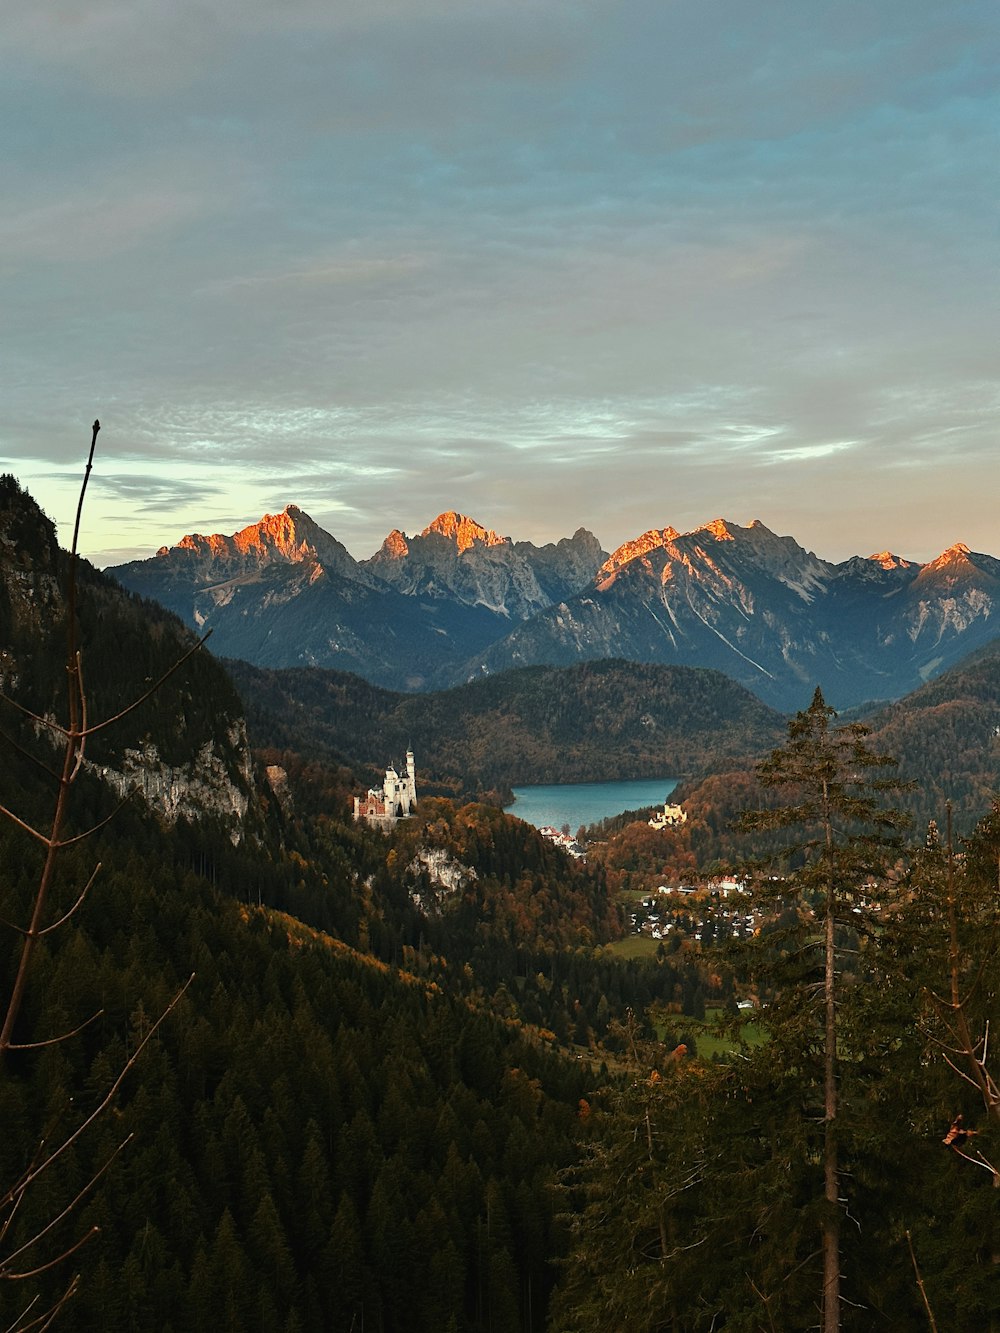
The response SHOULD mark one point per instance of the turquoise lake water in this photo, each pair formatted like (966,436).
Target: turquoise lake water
(576,803)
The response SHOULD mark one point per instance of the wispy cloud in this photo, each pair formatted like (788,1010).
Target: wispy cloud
(613,262)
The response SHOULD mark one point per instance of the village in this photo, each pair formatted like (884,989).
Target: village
(675,915)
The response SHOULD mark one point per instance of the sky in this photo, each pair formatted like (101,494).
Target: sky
(618,264)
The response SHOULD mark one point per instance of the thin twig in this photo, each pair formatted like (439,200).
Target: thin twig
(9,814)
(25,753)
(65,1213)
(66,915)
(95,828)
(920,1283)
(54,1041)
(105,1101)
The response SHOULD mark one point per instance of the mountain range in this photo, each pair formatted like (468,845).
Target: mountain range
(458,601)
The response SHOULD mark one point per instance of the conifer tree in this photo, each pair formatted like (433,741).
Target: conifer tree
(811,912)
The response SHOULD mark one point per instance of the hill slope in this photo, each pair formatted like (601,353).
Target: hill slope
(185,749)
(599,721)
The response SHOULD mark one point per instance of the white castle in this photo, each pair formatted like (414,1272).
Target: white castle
(394,800)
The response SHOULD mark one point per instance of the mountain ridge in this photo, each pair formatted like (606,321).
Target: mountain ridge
(459,600)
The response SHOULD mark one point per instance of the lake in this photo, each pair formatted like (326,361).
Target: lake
(576,803)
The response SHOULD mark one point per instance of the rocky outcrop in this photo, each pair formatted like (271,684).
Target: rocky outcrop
(206,787)
(183,748)
(439,878)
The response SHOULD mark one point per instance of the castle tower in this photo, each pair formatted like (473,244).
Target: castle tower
(391,789)
(396,799)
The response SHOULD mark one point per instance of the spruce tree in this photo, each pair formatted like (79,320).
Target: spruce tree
(812,904)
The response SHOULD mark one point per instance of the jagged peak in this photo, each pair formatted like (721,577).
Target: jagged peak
(290,536)
(638,546)
(889,560)
(395,545)
(463,531)
(721,530)
(956,552)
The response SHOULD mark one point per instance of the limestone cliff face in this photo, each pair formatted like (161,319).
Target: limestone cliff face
(951,596)
(438,879)
(207,786)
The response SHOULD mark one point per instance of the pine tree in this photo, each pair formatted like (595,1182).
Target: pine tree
(811,913)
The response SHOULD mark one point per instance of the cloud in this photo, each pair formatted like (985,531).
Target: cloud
(619,263)
(151,493)
(92,223)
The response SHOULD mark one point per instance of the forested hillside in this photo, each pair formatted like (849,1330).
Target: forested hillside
(601,721)
(945,737)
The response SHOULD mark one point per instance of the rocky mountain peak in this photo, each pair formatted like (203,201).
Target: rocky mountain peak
(464,532)
(957,552)
(721,530)
(291,536)
(395,546)
(888,560)
(288,538)
(638,546)
(959,567)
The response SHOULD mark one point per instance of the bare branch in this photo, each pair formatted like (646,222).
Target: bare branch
(25,753)
(978,1160)
(43,1321)
(960,1072)
(49,723)
(95,828)
(54,1041)
(83,488)
(66,915)
(44,1268)
(105,1101)
(80,732)
(920,1285)
(42,838)
(65,1213)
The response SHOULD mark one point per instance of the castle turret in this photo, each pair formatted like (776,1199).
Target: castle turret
(396,800)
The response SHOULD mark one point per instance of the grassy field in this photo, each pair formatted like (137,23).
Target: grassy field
(712,1042)
(634,946)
